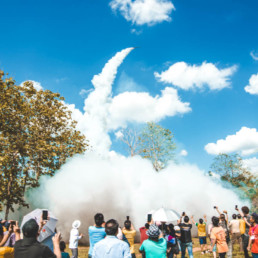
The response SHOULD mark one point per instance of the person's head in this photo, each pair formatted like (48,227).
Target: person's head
(153,233)
(171,229)
(147,225)
(186,219)
(245,210)
(128,224)
(222,216)
(30,228)
(215,221)
(239,216)
(111,227)
(62,246)
(254,218)
(99,219)
(234,216)
(201,221)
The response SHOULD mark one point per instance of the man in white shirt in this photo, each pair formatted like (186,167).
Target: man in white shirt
(111,246)
(74,238)
(234,227)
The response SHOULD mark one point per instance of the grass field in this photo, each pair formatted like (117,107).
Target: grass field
(83,251)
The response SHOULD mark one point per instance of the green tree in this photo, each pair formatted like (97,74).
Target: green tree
(156,144)
(232,170)
(37,135)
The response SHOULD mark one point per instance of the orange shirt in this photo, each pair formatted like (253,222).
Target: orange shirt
(218,234)
(253,232)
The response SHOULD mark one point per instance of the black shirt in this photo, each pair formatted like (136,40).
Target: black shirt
(31,248)
(186,236)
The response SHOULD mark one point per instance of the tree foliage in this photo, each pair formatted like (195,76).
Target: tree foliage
(153,142)
(232,170)
(37,135)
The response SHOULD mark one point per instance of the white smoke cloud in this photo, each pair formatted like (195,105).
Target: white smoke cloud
(188,77)
(142,12)
(105,181)
(118,186)
(245,141)
(36,85)
(252,87)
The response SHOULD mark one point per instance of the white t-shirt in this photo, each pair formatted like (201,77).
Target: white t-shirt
(234,226)
(74,238)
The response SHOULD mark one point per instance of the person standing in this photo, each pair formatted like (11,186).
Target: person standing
(130,234)
(154,246)
(111,246)
(202,233)
(253,233)
(143,231)
(186,237)
(244,212)
(96,232)
(29,247)
(234,227)
(218,237)
(74,238)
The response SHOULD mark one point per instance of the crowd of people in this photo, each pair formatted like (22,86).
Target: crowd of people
(157,239)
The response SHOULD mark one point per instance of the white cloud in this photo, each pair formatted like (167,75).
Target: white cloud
(136,32)
(252,88)
(84,93)
(183,153)
(140,107)
(245,142)
(119,134)
(251,164)
(36,85)
(254,56)
(189,77)
(142,12)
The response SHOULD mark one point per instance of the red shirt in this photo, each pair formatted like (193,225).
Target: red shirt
(144,236)
(253,232)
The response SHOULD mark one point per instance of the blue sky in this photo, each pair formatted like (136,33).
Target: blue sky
(63,44)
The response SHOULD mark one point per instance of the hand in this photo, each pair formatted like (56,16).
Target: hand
(192,217)
(56,239)
(225,212)
(10,229)
(249,248)
(205,216)
(16,228)
(81,235)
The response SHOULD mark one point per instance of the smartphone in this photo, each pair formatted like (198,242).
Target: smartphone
(183,214)
(149,217)
(215,207)
(45,214)
(13,223)
(236,207)
(127,218)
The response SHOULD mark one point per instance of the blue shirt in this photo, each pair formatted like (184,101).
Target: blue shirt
(96,234)
(154,249)
(111,247)
(65,255)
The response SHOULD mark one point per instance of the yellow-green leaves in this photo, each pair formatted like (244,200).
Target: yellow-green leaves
(37,135)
